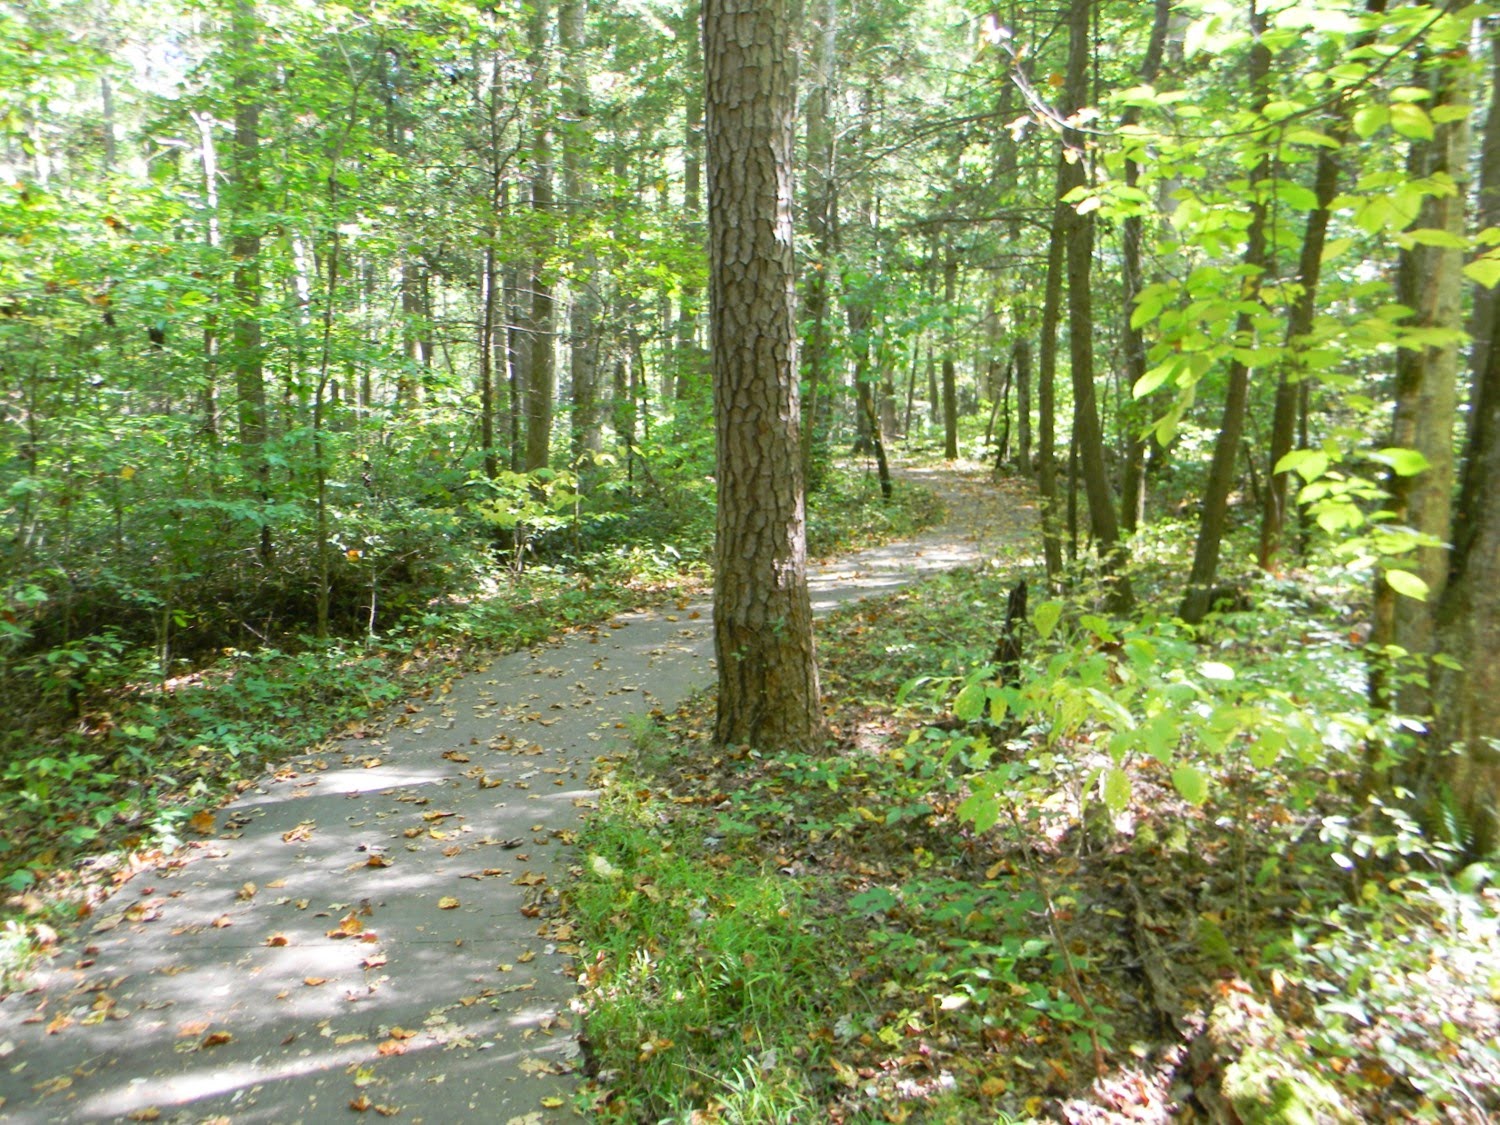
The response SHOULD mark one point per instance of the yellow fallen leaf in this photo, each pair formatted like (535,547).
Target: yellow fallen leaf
(447,902)
(553,1102)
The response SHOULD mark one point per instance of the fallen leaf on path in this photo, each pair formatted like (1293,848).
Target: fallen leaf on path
(447,902)
(202,823)
(552,1102)
(314,982)
(222,920)
(58,1024)
(529,955)
(53,1085)
(247,892)
(278,940)
(374,961)
(455,755)
(217,1039)
(377,861)
(361,1104)
(302,833)
(529,879)
(391,1047)
(349,926)
(148,1113)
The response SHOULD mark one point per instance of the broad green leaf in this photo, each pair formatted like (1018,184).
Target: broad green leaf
(1369,120)
(1046,617)
(1411,121)
(1309,464)
(1156,377)
(1407,584)
(1434,236)
(1402,462)
(982,809)
(970,702)
(1192,783)
(1116,789)
(1484,271)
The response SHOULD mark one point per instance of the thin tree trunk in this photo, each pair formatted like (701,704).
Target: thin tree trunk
(950,374)
(541,368)
(1132,344)
(1197,600)
(1078,232)
(246,189)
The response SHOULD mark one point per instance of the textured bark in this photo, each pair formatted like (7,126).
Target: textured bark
(1466,753)
(583,312)
(1299,324)
(1132,343)
(689,352)
(542,366)
(768,682)
(1197,601)
(1046,428)
(1021,366)
(1487,214)
(822,223)
(950,374)
(1078,229)
(244,246)
(1430,281)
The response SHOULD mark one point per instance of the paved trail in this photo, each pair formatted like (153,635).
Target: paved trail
(374,925)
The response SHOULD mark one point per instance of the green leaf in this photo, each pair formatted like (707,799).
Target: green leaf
(1402,462)
(1046,617)
(1369,120)
(1407,584)
(970,702)
(1116,789)
(982,809)
(1192,783)
(1411,121)
(1484,271)
(1309,464)
(1213,670)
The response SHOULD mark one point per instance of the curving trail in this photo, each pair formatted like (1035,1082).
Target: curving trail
(373,927)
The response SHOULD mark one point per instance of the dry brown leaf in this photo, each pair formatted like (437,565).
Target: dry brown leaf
(377,861)
(222,920)
(246,892)
(361,1104)
(217,1039)
(277,940)
(314,982)
(202,823)
(301,834)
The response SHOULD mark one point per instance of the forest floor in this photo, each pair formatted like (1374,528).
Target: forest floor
(376,925)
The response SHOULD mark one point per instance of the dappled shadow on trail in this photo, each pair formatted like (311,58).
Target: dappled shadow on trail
(373,925)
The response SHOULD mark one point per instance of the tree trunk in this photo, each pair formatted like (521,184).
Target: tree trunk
(1132,344)
(244,246)
(1299,324)
(1429,281)
(1021,365)
(767,673)
(583,310)
(1078,229)
(950,374)
(822,222)
(1465,755)
(542,365)
(1046,433)
(1212,522)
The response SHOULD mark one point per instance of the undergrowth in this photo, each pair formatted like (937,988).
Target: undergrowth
(103,753)
(1055,899)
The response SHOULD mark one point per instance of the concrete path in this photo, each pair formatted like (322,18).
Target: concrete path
(373,928)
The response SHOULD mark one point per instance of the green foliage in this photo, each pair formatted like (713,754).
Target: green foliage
(704,974)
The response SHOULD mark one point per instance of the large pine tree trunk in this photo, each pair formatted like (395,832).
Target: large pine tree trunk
(583,310)
(768,681)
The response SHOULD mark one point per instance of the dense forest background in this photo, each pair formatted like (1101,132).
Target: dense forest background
(331,332)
